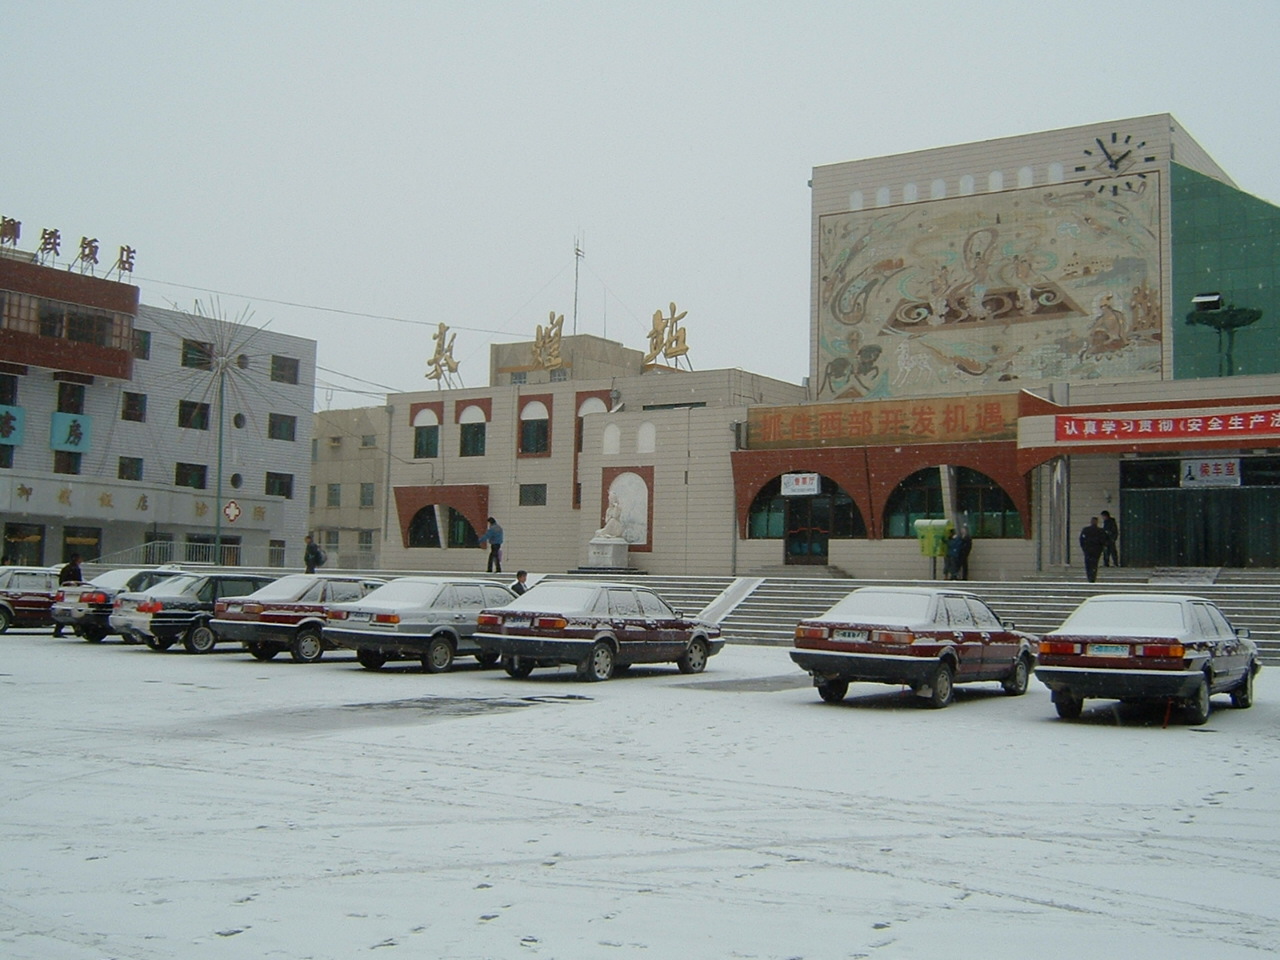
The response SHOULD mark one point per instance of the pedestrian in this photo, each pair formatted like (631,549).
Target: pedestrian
(520,586)
(966,547)
(312,556)
(493,537)
(951,562)
(69,574)
(1112,529)
(1092,542)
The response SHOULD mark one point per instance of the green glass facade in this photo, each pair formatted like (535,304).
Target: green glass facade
(1226,242)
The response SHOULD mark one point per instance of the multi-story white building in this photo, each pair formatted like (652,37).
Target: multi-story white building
(134,432)
(351,465)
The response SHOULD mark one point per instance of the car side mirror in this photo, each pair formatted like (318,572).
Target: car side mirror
(1242,633)
(1009,625)
(678,614)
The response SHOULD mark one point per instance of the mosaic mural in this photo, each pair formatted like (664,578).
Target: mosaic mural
(966,294)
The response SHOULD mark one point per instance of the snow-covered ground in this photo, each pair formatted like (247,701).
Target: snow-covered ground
(178,806)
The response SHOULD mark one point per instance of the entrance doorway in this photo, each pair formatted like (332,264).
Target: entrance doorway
(808,528)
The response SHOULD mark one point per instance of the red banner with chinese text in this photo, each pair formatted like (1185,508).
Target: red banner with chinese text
(1222,425)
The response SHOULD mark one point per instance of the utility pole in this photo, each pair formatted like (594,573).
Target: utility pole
(577,259)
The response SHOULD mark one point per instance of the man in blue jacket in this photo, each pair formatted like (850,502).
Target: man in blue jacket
(493,537)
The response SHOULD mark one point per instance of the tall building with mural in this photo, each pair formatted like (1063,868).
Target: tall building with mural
(1018,334)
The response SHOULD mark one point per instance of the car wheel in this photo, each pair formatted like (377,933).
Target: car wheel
(370,659)
(1242,696)
(599,663)
(1198,705)
(93,634)
(262,651)
(1016,683)
(6,618)
(306,646)
(518,667)
(695,657)
(1069,707)
(200,639)
(941,685)
(487,659)
(439,655)
(832,691)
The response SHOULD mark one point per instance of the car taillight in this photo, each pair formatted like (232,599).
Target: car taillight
(489,620)
(220,607)
(150,606)
(811,633)
(98,597)
(252,608)
(1059,647)
(1175,650)
(892,636)
(59,597)
(550,623)
(386,618)
(335,614)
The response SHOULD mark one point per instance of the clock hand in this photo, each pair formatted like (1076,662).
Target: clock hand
(1120,159)
(1105,152)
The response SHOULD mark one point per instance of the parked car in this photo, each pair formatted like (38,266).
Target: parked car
(1154,647)
(180,608)
(927,638)
(602,628)
(287,614)
(86,607)
(431,619)
(26,596)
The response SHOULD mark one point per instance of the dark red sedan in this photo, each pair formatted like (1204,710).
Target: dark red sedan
(926,638)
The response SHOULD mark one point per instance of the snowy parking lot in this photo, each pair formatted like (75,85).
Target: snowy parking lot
(166,805)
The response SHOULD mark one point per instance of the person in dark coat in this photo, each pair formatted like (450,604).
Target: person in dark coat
(966,547)
(520,586)
(311,556)
(1092,542)
(493,537)
(69,574)
(1110,555)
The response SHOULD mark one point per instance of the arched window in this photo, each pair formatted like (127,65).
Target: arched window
(882,197)
(909,193)
(984,506)
(472,428)
(995,181)
(855,200)
(966,185)
(610,439)
(938,189)
(423,530)
(918,497)
(426,435)
(535,428)
(1055,172)
(1026,176)
(585,409)
(646,437)
(832,507)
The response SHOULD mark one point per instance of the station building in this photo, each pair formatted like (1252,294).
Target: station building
(113,441)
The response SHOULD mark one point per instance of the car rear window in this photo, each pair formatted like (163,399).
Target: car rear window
(397,591)
(557,598)
(286,588)
(174,586)
(1141,618)
(882,605)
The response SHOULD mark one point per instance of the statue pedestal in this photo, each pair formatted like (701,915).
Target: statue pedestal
(607,552)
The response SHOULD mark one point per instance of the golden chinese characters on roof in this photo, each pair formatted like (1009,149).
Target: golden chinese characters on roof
(546,344)
(667,337)
(441,367)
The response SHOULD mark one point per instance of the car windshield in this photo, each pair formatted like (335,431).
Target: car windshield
(175,586)
(557,598)
(881,606)
(401,591)
(1131,617)
(286,588)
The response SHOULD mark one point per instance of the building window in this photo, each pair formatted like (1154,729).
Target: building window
(423,529)
(535,428)
(369,440)
(315,449)
(66,461)
(461,533)
(130,468)
(984,506)
(6,457)
(133,406)
(311,504)
(918,497)
(141,344)
(193,415)
(472,440)
(533,494)
(190,475)
(366,494)
(995,181)
(365,541)
(281,426)
(280,485)
(275,553)
(284,369)
(8,390)
(333,495)
(559,375)
(331,542)
(237,481)
(70,397)
(426,442)
(519,377)
(910,194)
(197,354)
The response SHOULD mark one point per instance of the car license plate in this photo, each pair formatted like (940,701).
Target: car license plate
(518,621)
(856,636)
(358,615)
(1108,650)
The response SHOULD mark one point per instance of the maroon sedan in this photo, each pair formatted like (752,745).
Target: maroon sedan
(925,638)
(287,614)
(26,596)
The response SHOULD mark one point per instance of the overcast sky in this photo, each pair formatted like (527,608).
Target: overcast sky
(358,173)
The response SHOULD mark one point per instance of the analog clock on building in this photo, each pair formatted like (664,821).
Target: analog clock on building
(1110,160)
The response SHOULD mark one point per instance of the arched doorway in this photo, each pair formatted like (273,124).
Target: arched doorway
(806,524)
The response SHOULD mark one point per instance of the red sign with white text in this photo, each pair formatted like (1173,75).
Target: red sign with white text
(1128,429)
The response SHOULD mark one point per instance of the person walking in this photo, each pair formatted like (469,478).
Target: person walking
(493,537)
(312,556)
(1092,542)
(69,574)
(520,586)
(951,562)
(966,547)
(1110,555)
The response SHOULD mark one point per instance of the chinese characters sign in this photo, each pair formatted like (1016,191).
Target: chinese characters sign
(1210,473)
(801,484)
(869,423)
(1123,429)
(667,337)
(71,432)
